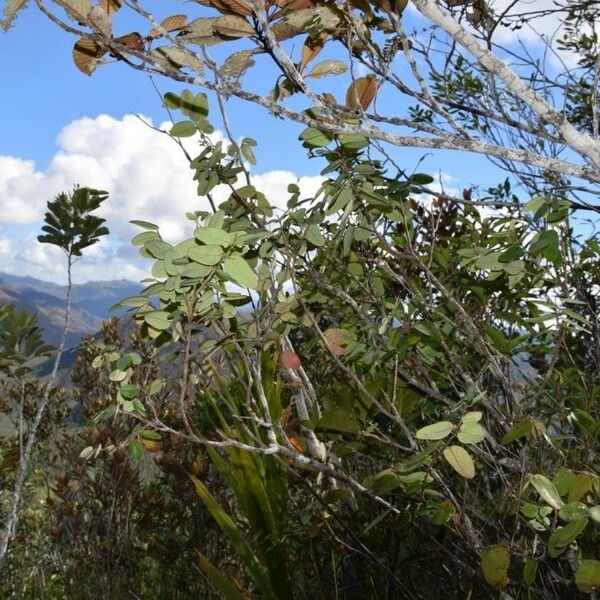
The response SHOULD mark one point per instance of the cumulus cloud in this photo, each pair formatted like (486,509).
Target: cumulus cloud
(147,177)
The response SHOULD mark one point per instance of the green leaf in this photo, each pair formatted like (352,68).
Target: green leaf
(535,204)
(129,391)
(158,319)
(572,511)
(436,431)
(587,576)
(514,267)
(314,138)
(145,224)
(460,460)
(560,539)
(421,179)
(473,416)
(314,236)
(214,236)
(136,450)
(237,539)
(547,491)
(240,271)
(471,433)
(117,375)
(495,563)
(143,238)
(184,129)
(530,571)
(206,255)
(518,430)
(580,485)
(226,588)
(353,141)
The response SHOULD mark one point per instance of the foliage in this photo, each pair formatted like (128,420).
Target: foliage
(70,224)
(372,379)
(379,390)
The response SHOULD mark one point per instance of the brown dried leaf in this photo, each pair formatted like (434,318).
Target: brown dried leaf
(76,9)
(311,48)
(237,64)
(288,6)
(171,56)
(361,92)
(296,442)
(333,341)
(327,17)
(173,23)
(237,7)
(100,20)
(87,54)
(284,31)
(111,6)
(132,41)
(400,5)
(233,26)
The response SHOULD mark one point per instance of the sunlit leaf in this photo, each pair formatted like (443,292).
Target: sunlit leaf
(233,26)
(173,23)
(361,92)
(460,460)
(435,431)
(328,67)
(87,54)
(240,271)
(547,491)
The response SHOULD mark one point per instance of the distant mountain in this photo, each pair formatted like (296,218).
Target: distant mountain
(91,303)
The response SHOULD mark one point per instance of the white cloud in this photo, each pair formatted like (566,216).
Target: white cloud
(147,177)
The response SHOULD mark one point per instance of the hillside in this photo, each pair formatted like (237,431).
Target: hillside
(91,303)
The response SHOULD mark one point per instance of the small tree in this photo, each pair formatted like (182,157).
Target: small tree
(71,226)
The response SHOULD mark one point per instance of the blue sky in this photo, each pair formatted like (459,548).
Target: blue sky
(61,127)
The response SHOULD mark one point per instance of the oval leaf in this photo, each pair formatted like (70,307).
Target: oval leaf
(233,26)
(240,271)
(436,431)
(587,576)
(494,564)
(460,460)
(289,360)
(547,491)
(361,92)
(158,319)
(173,23)
(328,67)
(471,432)
(560,539)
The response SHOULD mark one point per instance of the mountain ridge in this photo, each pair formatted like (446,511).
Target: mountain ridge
(91,303)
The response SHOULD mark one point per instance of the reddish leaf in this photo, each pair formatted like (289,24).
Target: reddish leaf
(132,41)
(289,360)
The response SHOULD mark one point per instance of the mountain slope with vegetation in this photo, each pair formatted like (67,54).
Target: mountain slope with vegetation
(91,304)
